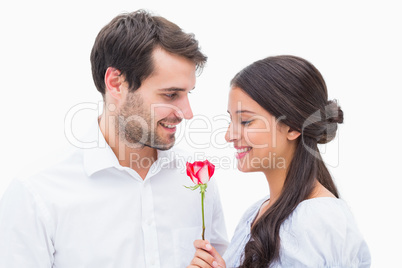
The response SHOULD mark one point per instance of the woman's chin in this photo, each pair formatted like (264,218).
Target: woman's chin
(244,168)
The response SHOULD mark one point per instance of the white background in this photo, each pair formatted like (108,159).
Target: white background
(45,71)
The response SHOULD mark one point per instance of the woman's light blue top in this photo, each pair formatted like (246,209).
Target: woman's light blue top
(320,232)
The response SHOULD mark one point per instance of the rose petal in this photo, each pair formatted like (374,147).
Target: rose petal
(197,165)
(203,174)
(190,172)
(211,168)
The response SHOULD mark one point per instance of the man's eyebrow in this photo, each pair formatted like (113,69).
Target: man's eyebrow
(173,89)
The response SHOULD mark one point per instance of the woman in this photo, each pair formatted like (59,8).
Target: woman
(280,111)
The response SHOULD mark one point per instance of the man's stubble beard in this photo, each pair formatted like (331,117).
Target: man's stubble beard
(137,128)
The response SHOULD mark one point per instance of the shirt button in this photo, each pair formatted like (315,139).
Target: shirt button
(153,261)
(149,222)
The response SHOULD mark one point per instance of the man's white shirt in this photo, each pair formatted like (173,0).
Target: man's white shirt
(89,211)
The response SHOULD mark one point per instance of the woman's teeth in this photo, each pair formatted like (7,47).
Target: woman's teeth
(243,150)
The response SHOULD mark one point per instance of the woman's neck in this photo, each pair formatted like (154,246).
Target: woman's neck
(276,179)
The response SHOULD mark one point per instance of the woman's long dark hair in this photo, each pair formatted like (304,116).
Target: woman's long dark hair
(292,88)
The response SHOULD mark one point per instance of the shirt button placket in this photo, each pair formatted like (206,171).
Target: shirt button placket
(149,226)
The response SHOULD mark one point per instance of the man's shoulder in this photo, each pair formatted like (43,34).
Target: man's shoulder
(69,166)
(46,184)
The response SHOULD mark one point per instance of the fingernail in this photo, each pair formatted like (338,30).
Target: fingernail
(214,264)
(208,246)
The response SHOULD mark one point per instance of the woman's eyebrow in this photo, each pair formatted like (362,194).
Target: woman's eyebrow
(244,111)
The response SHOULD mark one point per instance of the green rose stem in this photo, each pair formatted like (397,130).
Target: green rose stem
(203,188)
(200,173)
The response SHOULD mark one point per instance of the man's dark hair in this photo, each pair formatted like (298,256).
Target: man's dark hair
(127,44)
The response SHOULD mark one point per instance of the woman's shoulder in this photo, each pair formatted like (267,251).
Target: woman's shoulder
(324,229)
(322,211)
(321,208)
(322,216)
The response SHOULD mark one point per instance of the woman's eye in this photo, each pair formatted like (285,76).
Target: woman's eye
(246,123)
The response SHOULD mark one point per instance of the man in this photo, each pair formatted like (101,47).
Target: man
(123,204)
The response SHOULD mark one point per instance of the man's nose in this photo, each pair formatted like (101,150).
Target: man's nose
(185,109)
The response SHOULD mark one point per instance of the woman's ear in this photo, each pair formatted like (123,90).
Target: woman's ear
(113,81)
(292,134)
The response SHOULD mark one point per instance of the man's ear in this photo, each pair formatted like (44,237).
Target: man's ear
(113,82)
(293,134)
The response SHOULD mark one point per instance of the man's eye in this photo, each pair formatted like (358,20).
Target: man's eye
(171,96)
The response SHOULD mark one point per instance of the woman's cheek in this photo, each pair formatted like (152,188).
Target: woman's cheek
(257,138)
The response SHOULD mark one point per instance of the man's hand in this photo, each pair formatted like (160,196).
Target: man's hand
(206,256)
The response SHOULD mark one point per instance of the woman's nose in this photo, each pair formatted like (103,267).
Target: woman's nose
(232,133)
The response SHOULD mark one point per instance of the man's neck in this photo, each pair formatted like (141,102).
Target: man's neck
(138,159)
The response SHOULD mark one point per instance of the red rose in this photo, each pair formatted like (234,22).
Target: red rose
(200,172)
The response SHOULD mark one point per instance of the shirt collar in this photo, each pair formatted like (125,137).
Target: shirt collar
(100,156)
